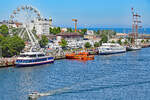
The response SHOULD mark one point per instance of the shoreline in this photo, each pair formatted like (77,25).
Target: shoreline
(10,62)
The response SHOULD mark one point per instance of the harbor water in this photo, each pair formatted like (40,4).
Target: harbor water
(113,77)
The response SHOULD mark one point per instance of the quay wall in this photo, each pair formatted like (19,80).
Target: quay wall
(6,62)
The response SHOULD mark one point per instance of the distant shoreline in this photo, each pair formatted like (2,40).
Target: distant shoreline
(122,30)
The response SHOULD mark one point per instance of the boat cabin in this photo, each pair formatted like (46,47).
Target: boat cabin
(32,55)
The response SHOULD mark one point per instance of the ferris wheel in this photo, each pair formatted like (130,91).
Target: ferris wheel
(26,15)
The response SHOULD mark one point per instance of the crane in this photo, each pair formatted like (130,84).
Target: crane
(75,20)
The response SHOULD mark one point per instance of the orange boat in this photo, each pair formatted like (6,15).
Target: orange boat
(80,56)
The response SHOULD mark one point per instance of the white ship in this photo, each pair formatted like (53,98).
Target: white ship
(33,58)
(111,48)
(133,47)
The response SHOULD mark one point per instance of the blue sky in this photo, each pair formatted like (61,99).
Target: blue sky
(94,13)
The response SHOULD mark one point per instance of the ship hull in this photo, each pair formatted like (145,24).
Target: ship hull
(109,53)
(133,48)
(35,63)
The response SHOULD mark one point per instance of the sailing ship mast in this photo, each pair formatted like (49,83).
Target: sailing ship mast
(135,25)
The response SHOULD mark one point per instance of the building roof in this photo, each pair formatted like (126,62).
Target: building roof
(69,34)
(121,34)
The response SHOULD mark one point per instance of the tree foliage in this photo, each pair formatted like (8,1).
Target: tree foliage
(96,44)
(4,30)
(110,33)
(147,40)
(112,41)
(44,41)
(143,41)
(119,42)
(83,31)
(15,31)
(87,45)
(63,43)
(55,30)
(70,30)
(126,42)
(11,45)
(104,38)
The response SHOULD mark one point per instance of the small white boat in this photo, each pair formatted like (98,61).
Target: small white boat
(133,47)
(111,48)
(33,58)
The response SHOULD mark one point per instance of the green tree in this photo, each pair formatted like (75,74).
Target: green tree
(14,31)
(96,44)
(58,30)
(11,46)
(143,41)
(100,42)
(4,30)
(63,43)
(104,38)
(17,44)
(1,38)
(126,42)
(109,33)
(119,42)
(83,31)
(51,30)
(55,30)
(147,40)
(87,45)
(43,42)
(112,41)
(69,30)
(98,32)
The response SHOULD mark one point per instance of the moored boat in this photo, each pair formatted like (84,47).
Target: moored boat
(111,48)
(133,47)
(80,56)
(32,59)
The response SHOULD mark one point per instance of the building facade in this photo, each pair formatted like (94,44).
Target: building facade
(41,26)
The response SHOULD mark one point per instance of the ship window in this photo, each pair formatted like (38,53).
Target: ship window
(26,61)
(44,59)
(19,61)
(22,55)
(40,55)
(50,58)
(32,55)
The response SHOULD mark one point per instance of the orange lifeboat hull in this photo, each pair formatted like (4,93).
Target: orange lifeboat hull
(88,58)
(80,56)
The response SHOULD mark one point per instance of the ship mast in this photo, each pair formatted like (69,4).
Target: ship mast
(135,25)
